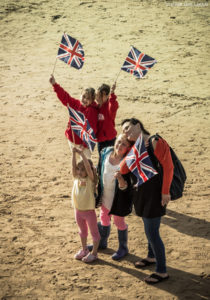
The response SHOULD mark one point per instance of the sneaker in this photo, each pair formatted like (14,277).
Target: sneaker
(89,258)
(81,253)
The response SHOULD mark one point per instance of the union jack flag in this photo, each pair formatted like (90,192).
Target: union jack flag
(139,163)
(138,63)
(71,52)
(81,127)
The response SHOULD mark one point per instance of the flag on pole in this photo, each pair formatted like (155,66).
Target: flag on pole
(139,163)
(138,63)
(71,52)
(81,126)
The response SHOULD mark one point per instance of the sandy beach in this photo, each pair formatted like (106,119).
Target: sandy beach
(38,233)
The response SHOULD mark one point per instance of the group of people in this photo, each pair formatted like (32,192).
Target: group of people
(112,187)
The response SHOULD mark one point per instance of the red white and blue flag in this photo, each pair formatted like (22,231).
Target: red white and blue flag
(139,163)
(81,126)
(71,52)
(138,63)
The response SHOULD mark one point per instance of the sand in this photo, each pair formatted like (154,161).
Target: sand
(38,234)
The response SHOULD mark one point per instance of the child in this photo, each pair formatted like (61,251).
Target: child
(113,192)
(84,203)
(107,105)
(87,106)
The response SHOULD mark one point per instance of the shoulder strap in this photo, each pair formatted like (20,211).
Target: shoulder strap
(152,156)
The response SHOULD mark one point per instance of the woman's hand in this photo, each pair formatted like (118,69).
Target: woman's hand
(165,199)
(122,183)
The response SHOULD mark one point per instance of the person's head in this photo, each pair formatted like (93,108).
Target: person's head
(88,96)
(80,170)
(102,94)
(122,145)
(132,128)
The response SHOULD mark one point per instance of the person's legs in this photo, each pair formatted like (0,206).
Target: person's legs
(91,219)
(83,234)
(104,227)
(92,223)
(151,227)
(122,238)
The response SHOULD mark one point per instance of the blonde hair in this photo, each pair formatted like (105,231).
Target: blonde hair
(91,93)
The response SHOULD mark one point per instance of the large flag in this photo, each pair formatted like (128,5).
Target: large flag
(81,127)
(71,52)
(138,63)
(139,163)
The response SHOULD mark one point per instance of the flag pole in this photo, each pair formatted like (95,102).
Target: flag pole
(54,66)
(117,76)
(72,132)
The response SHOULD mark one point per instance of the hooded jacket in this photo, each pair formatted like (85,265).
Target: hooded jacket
(122,201)
(90,112)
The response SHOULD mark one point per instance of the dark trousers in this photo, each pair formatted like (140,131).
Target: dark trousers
(155,244)
(105,144)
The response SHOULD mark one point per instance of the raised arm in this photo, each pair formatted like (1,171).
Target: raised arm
(86,163)
(63,96)
(113,103)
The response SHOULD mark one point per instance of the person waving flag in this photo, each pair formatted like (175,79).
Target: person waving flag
(139,163)
(71,52)
(138,63)
(81,126)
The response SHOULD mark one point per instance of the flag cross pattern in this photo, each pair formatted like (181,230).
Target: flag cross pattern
(138,63)
(71,51)
(82,128)
(139,163)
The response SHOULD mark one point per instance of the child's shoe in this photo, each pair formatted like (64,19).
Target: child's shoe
(81,253)
(89,258)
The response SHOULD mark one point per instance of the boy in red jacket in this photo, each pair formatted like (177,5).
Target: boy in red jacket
(87,106)
(108,106)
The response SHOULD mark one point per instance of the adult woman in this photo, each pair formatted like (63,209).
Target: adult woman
(150,199)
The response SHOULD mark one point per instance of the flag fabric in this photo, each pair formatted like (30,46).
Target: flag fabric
(138,63)
(81,127)
(71,52)
(139,163)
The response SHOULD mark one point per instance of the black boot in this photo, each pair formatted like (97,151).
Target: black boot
(123,249)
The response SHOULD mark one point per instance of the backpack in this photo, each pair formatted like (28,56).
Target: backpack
(179,177)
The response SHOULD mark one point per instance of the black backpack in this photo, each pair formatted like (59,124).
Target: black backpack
(179,177)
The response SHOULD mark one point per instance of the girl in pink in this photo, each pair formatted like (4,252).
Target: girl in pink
(84,203)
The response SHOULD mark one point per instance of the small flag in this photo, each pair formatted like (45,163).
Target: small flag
(81,127)
(71,52)
(139,163)
(138,63)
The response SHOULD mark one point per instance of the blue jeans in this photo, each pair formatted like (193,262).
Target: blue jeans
(155,245)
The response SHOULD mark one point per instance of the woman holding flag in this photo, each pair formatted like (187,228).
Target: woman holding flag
(151,197)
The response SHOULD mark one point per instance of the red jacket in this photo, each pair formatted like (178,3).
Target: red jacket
(106,119)
(90,112)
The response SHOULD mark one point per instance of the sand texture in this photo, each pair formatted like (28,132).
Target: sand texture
(38,233)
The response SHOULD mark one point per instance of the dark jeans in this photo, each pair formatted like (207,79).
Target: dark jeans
(155,245)
(105,144)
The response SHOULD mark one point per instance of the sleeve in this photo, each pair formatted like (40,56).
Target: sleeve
(65,98)
(113,105)
(163,154)
(92,117)
(123,167)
